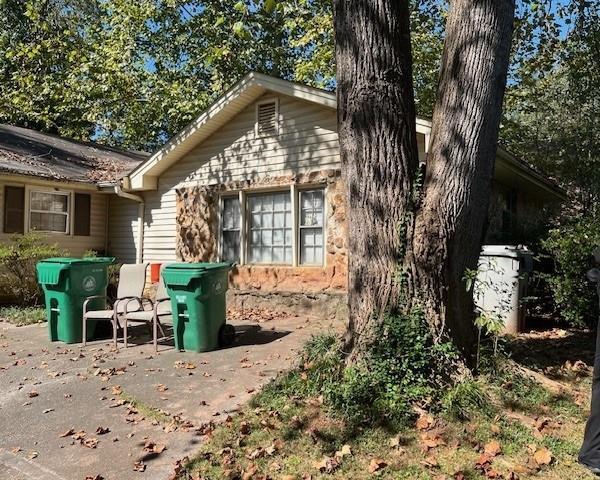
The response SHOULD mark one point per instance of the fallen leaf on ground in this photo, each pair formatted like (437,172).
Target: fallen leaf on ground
(186,365)
(344,451)
(102,430)
(327,465)
(431,439)
(257,453)
(424,422)
(150,446)
(274,447)
(139,466)
(90,442)
(542,457)
(376,464)
(244,428)
(492,448)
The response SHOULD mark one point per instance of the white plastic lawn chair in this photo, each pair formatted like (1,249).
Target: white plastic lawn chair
(132,279)
(161,311)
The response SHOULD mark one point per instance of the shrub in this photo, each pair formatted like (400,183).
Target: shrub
(401,366)
(17,266)
(572,245)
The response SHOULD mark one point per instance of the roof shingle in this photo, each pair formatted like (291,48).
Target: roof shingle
(29,152)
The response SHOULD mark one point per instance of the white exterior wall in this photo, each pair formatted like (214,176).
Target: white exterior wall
(73,245)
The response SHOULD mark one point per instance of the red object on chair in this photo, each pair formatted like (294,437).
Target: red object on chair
(155,272)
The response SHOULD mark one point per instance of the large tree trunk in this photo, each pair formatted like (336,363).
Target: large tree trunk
(449,227)
(376,119)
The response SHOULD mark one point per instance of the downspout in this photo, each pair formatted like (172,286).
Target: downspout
(141,211)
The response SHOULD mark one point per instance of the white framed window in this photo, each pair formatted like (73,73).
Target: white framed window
(49,211)
(267,118)
(310,226)
(270,228)
(284,227)
(230,229)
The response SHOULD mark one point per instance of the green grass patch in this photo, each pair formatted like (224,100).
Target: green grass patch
(20,316)
(148,411)
(299,424)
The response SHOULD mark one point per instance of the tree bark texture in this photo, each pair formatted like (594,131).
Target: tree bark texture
(376,121)
(449,226)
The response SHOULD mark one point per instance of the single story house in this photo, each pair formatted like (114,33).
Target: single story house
(49,184)
(255,179)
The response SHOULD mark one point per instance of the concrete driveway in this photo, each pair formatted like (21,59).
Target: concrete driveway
(66,412)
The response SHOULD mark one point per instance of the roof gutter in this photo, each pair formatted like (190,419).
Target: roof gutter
(139,256)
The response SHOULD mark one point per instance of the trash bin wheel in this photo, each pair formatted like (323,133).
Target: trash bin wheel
(226,335)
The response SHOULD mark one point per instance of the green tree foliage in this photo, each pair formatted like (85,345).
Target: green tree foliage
(572,245)
(552,112)
(132,74)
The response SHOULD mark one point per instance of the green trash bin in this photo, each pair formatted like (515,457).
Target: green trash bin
(197,292)
(67,282)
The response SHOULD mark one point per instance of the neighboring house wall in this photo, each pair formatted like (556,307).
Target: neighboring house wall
(515,217)
(74,244)
(123,239)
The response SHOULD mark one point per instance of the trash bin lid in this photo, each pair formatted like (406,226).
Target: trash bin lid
(49,269)
(78,261)
(511,251)
(181,273)
(189,266)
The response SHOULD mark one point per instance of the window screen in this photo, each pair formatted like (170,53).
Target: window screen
(230,230)
(270,228)
(311,227)
(49,212)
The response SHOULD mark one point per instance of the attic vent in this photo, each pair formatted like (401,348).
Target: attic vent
(267,119)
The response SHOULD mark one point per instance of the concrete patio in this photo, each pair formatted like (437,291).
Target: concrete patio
(52,389)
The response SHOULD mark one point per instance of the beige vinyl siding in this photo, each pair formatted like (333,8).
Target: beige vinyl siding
(73,245)
(123,229)
(160,225)
(307,141)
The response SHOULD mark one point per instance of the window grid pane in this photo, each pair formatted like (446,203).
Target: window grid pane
(270,225)
(48,212)
(311,227)
(230,230)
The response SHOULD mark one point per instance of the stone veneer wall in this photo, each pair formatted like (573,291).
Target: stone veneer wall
(197,241)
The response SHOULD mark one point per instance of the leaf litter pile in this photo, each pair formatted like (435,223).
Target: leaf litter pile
(533,432)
